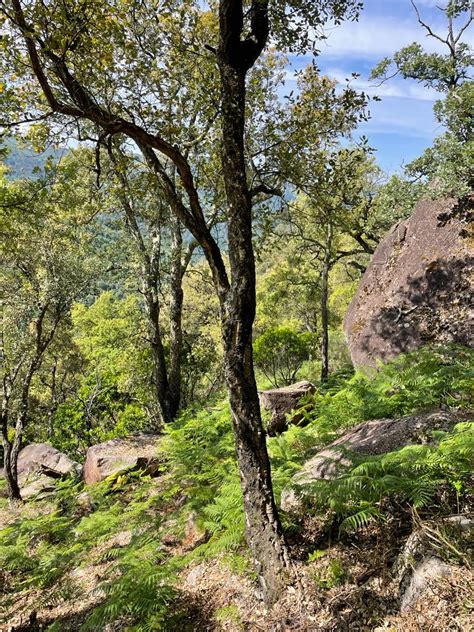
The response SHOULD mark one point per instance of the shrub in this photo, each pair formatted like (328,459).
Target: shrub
(280,352)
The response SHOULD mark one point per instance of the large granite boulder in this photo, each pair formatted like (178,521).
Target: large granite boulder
(371,437)
(417,288)
(137,452)
(281,401)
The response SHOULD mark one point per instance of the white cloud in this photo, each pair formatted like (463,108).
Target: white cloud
(374,37)
(400,88)
(413,119)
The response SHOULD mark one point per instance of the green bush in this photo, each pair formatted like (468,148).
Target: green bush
(280,352)
(97,412)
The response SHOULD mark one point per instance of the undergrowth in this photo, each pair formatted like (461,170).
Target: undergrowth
(438,476)
(426,379)
(42,551)
(140,582)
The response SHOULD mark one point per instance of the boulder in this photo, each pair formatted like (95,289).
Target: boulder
(137,452)
(281,401)
(39,465)
(371,437)
(42,458)
(417,288)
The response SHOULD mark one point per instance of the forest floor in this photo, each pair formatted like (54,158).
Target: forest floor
(351,584)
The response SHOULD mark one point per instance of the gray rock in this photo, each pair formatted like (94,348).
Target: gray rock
(417,288)
(281,401)
(423,578)
(418,569)
(371,437)
(37,485)
(194,576)
(44,459)
(135,452)
(463,523)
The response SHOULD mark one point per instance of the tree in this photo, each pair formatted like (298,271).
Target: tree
(447,165)
(280,352)
(92,66)
(333,182)
(41,275)
(146,220)
(441,72)
(333,220)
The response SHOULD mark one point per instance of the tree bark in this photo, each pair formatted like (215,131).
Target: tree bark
(160,377)
(324,305)
(176,313)
(13,489)
(263,528)
(12,448)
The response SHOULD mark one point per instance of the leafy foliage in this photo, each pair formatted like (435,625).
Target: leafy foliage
(424,379)
(417,475)
(280,352)
(43,550)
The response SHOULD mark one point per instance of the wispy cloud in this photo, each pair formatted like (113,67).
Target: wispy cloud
(400,88)
(374,37)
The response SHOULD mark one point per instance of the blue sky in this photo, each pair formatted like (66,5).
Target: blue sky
(402,124)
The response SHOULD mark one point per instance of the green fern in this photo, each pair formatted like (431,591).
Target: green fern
(414,475)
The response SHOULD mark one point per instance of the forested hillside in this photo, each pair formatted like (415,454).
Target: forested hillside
(237,360)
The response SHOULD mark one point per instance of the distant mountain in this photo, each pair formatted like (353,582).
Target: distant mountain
(26,163)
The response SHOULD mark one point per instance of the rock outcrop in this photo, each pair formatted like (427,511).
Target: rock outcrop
(371,437)
(281,401)
(135,452)
(417,288)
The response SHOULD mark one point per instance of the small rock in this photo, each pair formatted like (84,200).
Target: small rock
(422,579)
(37,485)
(281,401)
(464,523)
(418,567)
(194,576)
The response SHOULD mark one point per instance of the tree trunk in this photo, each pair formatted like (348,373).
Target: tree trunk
(9,466)
(11,449)
(176,312)
(160,377)
(166,384)
(324,323)
(324,306)
(263,528)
